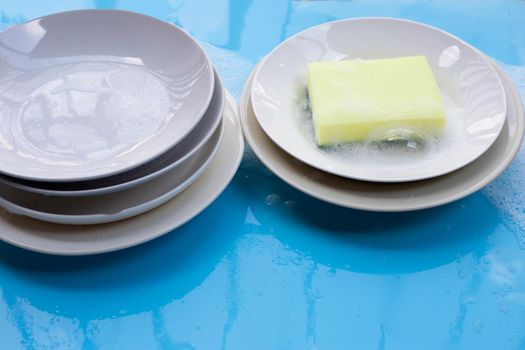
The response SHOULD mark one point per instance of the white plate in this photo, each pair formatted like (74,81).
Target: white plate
(174,158)
(82,240)
(389,196)
(113,206)
(82,101)
(473,94)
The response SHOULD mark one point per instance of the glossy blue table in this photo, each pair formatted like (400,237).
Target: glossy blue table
(267,267)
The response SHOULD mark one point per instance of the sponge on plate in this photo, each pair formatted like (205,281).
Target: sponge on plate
(360,100)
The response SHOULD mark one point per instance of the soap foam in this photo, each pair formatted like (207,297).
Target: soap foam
(232,68)
(408,152)
(507,192)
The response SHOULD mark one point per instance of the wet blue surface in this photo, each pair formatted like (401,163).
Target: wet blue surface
(267,267)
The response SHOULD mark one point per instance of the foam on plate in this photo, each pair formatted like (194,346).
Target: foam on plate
(424,148)
(507,192)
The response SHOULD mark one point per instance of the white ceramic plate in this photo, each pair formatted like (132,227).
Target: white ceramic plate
(473,94)
(92,239)
(91,93)
(389,196)
(174,158)
(113,206)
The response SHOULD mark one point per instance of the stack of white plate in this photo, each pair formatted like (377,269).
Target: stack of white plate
(484,128)
(105,115)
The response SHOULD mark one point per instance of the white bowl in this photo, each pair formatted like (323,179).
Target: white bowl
(172,159)
(113,206)
(51,238)
(92,93)
(474,96)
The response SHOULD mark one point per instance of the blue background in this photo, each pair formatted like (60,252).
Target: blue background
(267,267)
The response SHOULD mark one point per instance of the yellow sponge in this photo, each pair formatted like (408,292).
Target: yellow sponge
(363,99)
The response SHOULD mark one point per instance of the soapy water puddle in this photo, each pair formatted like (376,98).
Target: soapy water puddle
(400,146)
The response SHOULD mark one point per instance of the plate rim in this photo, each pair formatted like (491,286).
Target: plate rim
(404,179)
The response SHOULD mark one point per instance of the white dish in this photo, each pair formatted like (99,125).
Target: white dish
(389,196)
(83,101)
(473,94)
(174,158)
(92,239)
(113,206)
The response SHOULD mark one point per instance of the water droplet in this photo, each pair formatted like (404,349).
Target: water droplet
(281,260)
(348,267)
(462,274)
(250,218)
(272,199)
(477,325)
(485,269)
(316,293)
(331,272)
(504,308)
(289,204)
(486,259)
(298,260)
(260,293)
(471,300)
(512,269)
